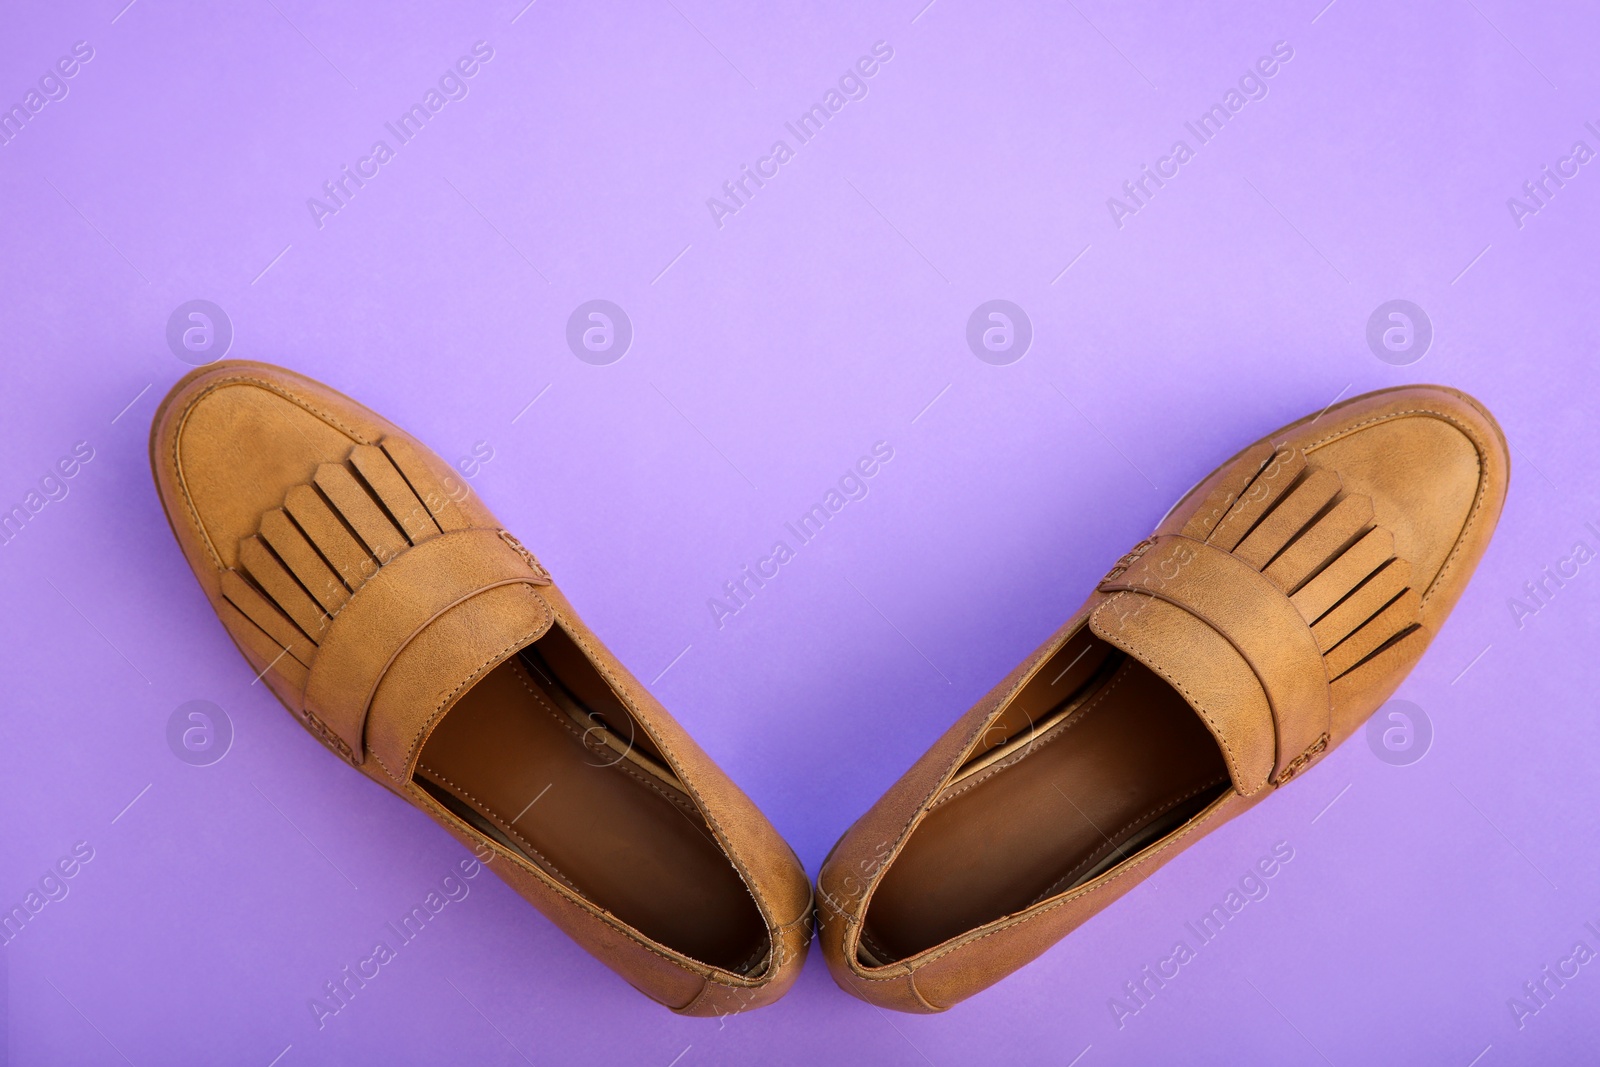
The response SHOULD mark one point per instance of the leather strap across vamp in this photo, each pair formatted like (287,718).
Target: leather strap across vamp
(1252,618)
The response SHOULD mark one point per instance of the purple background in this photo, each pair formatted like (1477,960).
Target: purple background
(828,314)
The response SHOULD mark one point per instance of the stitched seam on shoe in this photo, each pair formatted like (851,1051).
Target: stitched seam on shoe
(508,828)
(1477,502)
(588,906)
(1042,910)
(877,949)
(756,955)
(572,729)
(183,420)
(707,992)
(911,984)
(1075,718)
(1165,806)
(694,967)
(1051,891)
(1051,907)
(714,983)
(854,923)
(726,842)
(1193,703)
(445,701)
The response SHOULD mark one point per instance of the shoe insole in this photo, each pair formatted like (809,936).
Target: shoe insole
(1103,774)
(582,793)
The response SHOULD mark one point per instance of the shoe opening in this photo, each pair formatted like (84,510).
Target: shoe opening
(543,757)
(1095,760)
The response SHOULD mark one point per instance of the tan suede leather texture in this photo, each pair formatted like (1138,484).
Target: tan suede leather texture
(1285,597)
(370,649)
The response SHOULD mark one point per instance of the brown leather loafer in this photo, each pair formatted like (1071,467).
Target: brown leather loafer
(1269,614)
(422,644)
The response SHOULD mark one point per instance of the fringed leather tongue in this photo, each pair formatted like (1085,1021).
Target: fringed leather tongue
(1276,587)
(392,603)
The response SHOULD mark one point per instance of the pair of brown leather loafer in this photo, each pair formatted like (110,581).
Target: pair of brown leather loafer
(1269,614)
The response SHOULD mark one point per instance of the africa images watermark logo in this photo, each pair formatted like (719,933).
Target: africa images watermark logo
(52,86)
(453,84)
(199,332)
(599,332)
(1399,332)
(1252,85)
(1252,887)
(199,733)
(851,486)
(338,991)
(999,332)
(1538,192)
(52,487)
(1539,991)
(852,85)
(1400,733)
(53,886)
(1538,592)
